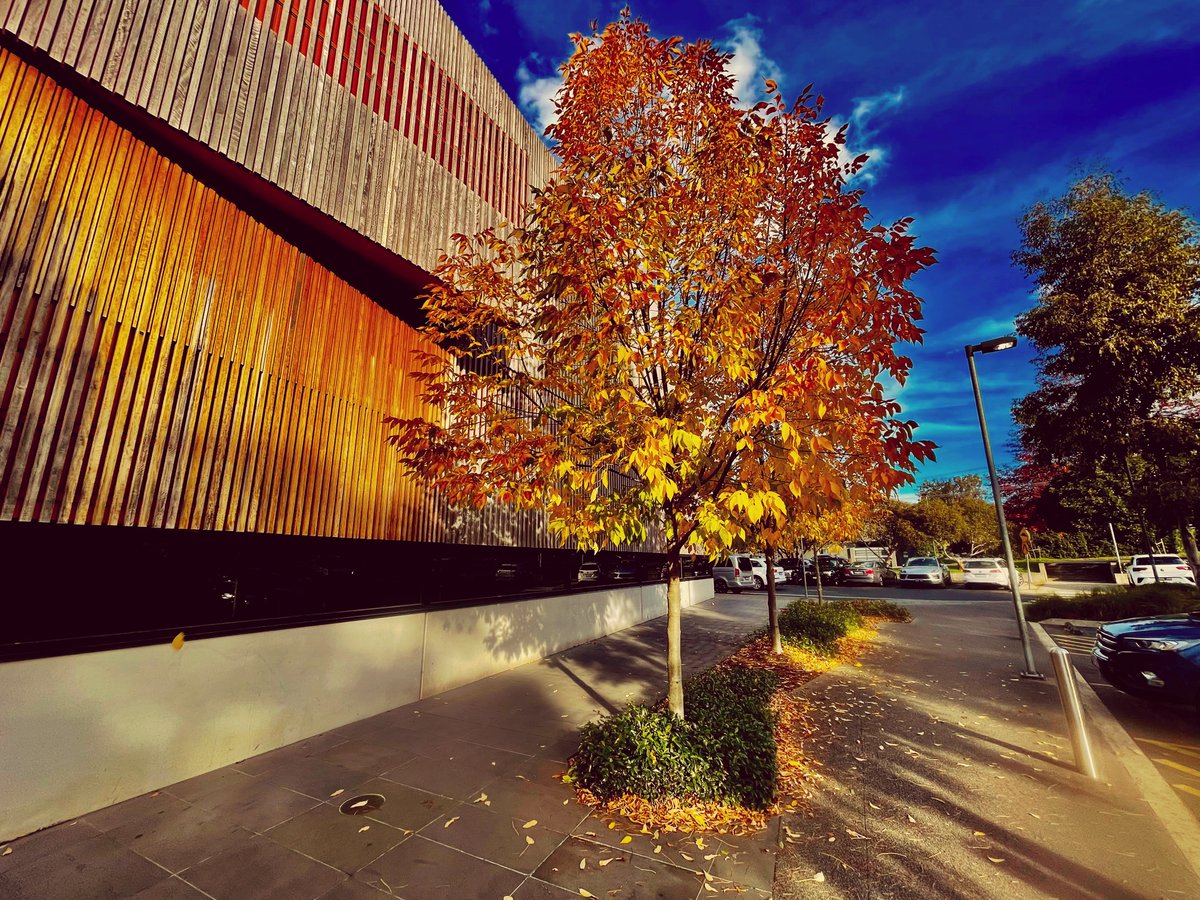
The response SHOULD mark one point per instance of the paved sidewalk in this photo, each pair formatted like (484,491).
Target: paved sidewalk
(471,807)
(946,775)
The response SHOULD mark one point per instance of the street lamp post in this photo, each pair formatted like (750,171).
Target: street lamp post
(992,346)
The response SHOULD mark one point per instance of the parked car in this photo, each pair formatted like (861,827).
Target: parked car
(925,570)
(734,574)
(985,573)
(1157,656)
(1171,569)
(758,570)
(832,568)
(624,571)
(863,573)
(588,571)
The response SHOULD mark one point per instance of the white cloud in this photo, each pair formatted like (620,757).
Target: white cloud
(536,96)
(750,66)
(860,133)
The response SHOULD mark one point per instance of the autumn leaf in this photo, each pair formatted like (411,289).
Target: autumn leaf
(451,821)
(177,642)
(530,823)
(996,860)
(337,792)
(364,828)
(626,839)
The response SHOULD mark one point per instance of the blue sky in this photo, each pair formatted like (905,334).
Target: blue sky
(971,111)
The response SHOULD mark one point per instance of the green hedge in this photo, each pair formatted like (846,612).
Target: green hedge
(817,626)
(1122,603)
(724,752)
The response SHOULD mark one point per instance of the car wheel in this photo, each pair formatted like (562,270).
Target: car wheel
(720,586)
(758,583)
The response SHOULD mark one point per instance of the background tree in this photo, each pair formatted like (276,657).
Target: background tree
(692,279)
(1117,330)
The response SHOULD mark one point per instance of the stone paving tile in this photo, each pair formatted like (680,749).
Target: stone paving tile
(746,861)
(344,842)
(353,889)
(365,756)
(138,809)
(97,868)
(48,840)
(261,869)
(633,876)
(475,829)
(670,847)
(314,777)
(215,781)
(534,889)
(404,807)
(257,805)
(421,869)
(441,777)
(173,888)
(479,756)
(554,807)
(266,762)
(179,838)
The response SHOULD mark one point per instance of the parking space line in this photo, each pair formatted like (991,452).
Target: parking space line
(1187,789)
(1185,749)
(1186,770)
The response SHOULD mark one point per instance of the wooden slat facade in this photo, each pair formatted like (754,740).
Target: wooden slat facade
(375,112)
(166,360)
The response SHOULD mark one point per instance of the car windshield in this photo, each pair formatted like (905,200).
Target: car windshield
(922,561)
(1158,561)
(981,564)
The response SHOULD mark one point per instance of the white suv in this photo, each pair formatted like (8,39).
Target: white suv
(1171,569)
(758,570)
(733,574)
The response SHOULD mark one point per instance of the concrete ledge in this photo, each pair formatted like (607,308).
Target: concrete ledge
(1158,794)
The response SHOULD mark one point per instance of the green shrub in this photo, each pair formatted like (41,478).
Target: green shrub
(881,609)
(817,626)
(724,752)
(1122,603)
(732,727)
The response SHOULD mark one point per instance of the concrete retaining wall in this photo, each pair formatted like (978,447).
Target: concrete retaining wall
(81,732)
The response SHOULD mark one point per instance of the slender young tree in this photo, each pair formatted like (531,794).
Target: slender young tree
(692,276)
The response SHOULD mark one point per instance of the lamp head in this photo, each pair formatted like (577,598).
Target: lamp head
(994,345)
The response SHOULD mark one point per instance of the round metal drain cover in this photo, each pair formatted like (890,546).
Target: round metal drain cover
(364,803)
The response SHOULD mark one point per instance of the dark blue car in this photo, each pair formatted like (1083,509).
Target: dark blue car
(1158,656)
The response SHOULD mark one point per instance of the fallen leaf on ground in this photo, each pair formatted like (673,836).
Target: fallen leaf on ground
(605,862)
(583,864)
(626,839)
(583,893)
(530,823)
(819,878)
(996,859)
(364,828)
(482,798)
(450,822)
(338,791)
(528,839)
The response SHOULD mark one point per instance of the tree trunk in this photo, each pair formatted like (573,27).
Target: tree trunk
(1189,546)
(817,575)
(773,604)
(674,634)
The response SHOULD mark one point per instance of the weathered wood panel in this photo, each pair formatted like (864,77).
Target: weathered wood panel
(166,360)
(377,112)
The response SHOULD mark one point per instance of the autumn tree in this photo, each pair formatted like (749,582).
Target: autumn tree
(693,278)
(1117,330)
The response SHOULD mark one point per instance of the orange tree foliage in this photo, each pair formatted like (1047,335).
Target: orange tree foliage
(694,282)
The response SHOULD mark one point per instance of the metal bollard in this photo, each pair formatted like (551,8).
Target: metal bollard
(1068,692)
